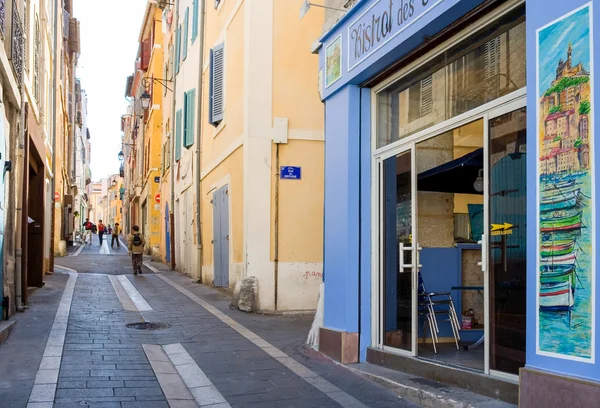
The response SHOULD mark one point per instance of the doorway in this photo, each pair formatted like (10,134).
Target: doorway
(451,266)
(220,203)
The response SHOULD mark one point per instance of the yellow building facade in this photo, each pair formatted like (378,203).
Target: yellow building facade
(142,142)
(255,220)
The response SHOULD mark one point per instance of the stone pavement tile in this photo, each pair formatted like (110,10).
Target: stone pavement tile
(141,384)
(71,383)
(145,404)
(183,404)
(84,392)
(114,404)
(137,392)
(105,384)
(207,395)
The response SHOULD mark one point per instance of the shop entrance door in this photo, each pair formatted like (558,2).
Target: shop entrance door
(398,260)
(507,237)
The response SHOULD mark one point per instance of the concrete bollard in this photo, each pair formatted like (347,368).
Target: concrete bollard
(62,248)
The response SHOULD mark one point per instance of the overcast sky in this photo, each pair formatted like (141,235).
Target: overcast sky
(108,50)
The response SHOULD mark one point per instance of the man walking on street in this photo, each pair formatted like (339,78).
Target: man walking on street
(101,231)
(115,236)
(87,235)
(136,244)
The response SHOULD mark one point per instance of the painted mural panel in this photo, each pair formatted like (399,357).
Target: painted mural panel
(566,277)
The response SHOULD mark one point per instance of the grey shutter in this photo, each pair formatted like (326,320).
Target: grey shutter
(426,96)
(217,57)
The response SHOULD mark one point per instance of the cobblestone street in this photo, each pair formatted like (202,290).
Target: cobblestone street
(206,354)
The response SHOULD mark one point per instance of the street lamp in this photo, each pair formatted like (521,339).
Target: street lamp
(145,99)
(121,156)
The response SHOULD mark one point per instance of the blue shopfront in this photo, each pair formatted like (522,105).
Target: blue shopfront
(460,194)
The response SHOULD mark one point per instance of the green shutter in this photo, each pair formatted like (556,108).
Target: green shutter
(178,135)
(177,49)
(190,105)
(186,22)
(195,21)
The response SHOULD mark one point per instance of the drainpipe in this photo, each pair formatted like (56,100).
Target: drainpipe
(276,238)
(20,178)
(199,140)
(54,101)
(173,130)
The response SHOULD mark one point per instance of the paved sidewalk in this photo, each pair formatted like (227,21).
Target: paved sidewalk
(21,354)
(207,354)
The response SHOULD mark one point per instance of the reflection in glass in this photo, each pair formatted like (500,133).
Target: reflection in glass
(397,230)
(507,260)
(480,69)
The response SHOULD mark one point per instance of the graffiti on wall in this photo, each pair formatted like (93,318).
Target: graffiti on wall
(565,264)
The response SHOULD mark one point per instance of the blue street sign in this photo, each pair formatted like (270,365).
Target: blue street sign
(290,173)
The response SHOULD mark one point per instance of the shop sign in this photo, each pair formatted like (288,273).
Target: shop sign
(382,22)
(502,229)
(291,173)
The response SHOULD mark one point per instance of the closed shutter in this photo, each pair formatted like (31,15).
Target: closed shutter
(186,22)
(195,21)
(426,96)
(177,49)
(217,71)
(146,53)
(190,106)
(178,135)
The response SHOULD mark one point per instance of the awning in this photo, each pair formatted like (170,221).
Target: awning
(456,176)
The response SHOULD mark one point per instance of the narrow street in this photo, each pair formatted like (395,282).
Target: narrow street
(202,354)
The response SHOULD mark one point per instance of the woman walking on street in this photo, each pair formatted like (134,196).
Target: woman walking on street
(115,236)
(101,231)
(136,249)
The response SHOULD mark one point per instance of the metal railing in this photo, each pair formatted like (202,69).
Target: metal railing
(17,41)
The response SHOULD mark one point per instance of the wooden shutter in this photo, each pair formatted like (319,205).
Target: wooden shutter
(190,106)
(186,31)
(177,49)
(178,135)
(146,52)
(217,71)
(195,20)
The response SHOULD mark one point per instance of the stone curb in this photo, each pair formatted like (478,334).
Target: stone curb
(6,327)
(430,396)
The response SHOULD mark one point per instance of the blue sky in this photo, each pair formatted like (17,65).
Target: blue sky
(108,51)
(554,42)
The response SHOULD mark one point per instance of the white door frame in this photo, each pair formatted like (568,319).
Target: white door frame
(490,110)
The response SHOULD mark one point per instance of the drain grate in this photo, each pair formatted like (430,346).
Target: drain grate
(147,326)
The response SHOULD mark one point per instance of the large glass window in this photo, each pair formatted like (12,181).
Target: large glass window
(482,68)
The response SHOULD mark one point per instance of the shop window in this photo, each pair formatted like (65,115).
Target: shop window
(477,70)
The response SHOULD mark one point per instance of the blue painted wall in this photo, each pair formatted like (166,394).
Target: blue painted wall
(540,13)
(341,234)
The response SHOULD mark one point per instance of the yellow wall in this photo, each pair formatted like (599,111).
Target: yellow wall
(153,138)
(216,140)
(300,203)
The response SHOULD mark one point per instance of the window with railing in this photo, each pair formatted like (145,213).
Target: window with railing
(2,16)
(17,44)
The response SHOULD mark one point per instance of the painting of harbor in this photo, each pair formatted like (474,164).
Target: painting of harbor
(566,280)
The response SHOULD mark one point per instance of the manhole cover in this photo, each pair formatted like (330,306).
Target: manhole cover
(148,326)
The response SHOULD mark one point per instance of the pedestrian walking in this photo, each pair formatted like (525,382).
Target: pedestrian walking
(87,235)
(101,231)
(115,236)
(136,243)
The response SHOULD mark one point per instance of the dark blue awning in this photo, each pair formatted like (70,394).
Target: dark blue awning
(456,176)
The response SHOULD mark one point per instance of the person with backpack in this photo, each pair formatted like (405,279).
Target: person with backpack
(136,249)
(101,231)
(115,236)
(87,235)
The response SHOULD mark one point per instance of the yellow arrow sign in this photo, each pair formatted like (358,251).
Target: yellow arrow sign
(498,227)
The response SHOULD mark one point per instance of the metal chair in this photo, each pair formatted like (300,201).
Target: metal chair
(434,304)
